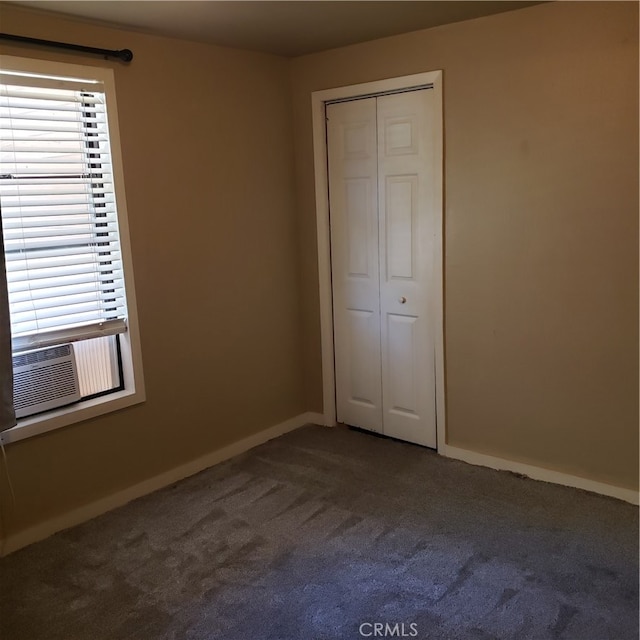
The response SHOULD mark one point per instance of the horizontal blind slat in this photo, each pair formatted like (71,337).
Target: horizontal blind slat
(69,213)
(45,186)
(39,244)
(61,289)
(59,316)
(44,126)
(78,100)
(58,336)
(65,232)
(47,85)
(59,172)
(81,275)
(75,213)
(40,116)
(59,322)
(58,256)
(65,301)
(11,149)
(17,95)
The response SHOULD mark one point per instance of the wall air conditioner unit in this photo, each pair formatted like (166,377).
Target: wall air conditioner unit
(44,379)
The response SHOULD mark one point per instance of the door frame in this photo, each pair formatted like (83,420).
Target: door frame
(319,100)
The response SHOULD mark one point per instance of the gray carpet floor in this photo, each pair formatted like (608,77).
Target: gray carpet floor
(322,533)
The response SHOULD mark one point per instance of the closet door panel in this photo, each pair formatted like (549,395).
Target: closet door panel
(351,138)
(406,222)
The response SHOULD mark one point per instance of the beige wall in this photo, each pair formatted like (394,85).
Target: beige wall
(541,227)
(206,142)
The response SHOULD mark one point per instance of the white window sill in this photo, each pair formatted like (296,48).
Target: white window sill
(65,416)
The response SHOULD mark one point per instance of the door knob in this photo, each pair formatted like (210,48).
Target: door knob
(402,300)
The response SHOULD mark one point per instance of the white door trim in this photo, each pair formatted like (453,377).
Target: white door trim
(318,100)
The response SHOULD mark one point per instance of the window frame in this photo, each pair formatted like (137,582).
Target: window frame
(133,380)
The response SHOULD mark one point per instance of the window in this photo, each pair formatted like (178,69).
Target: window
(68,265)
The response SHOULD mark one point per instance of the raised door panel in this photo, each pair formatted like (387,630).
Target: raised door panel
(400,207)
(402,342)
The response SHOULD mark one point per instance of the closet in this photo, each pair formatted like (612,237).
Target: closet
(382,155)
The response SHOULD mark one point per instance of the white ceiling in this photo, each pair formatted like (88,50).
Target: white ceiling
(288,28)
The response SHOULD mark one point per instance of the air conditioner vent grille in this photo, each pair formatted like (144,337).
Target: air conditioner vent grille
(43,385)
(43,355)
(44,379)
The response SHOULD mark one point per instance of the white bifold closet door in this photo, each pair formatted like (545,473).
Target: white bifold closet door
(381,155)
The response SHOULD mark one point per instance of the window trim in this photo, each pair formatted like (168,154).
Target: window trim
(133,380)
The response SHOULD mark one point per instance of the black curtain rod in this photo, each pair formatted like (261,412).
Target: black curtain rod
(126,55)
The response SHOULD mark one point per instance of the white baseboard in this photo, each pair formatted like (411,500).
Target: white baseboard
(531,471)
(538,473)
(87,512)
(316,418)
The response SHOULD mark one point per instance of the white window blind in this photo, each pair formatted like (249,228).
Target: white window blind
(63,258)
